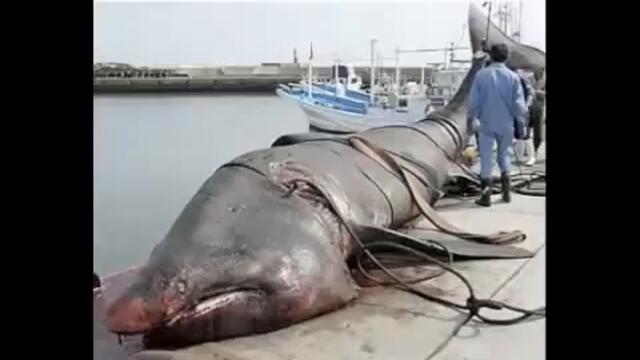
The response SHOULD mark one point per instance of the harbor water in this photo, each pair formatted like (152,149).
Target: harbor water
(153,152)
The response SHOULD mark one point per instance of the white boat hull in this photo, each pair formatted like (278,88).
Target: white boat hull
(328,119)
(332,120)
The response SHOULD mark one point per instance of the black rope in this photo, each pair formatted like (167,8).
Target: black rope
(384,159)
(427,242)
(518,186)
(520,183)
(473,304)
(439,121)
(470,175)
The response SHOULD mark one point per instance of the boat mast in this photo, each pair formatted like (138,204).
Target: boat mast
(397,71)
(515,20)
(488,23)
(310,69)
(379,65)
(519,23)
(509,20)
(372,77)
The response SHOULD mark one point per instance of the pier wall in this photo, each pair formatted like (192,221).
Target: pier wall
(265,77)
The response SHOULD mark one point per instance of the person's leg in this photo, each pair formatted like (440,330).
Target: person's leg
(519,148)
(528,144)
(530,159)
(522,147)
(505,140)
(537,129)
(485,146)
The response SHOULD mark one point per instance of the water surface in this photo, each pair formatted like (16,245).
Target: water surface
(152,152)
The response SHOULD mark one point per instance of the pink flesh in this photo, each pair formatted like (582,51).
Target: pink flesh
(106,343)
(113,286)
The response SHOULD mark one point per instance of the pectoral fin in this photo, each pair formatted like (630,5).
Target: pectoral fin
(423,240)
(430,242)
(291,139)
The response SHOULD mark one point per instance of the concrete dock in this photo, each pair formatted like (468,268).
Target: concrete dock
(123,78)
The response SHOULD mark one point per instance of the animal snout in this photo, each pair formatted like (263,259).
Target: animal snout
(130,315)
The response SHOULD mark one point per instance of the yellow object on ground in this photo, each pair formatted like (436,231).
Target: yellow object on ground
(470,155)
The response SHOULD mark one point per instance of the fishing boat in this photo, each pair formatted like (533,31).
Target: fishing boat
(328,110)
(318,96)
(443,85)
(339,106)
(342,121)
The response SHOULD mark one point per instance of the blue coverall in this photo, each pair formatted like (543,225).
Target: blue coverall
(496,99)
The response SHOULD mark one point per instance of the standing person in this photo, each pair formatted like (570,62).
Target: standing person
(525,145)
(497,100)
(538,111)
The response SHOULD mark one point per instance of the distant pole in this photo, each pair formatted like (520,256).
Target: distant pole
(422,75)
(507,19)
(397,70)
(445,59)
(512,19)
(309,78)
(501,16)
(488,23)
(310,69)
(520,21)
(451,53)
(373,65)
(502,13)
(378,66)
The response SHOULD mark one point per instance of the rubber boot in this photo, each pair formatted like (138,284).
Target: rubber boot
(485,193)
(531,153)
(506,187)
(518,148)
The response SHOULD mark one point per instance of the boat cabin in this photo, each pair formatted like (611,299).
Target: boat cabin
(346,74)
(442,85)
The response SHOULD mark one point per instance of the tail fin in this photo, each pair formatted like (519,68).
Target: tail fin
(521,56)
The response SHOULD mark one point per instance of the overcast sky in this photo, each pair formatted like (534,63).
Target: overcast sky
(247,33)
